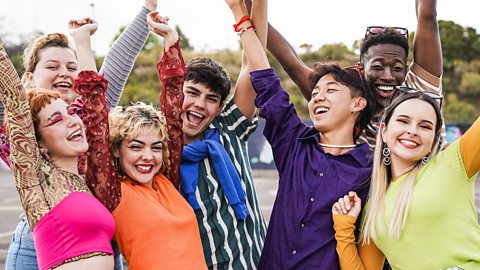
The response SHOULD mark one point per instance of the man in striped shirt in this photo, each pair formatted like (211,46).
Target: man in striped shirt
(216,177)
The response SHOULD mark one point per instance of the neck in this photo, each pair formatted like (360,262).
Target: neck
(69,164)
(399,168)
(337,142)
(190,139)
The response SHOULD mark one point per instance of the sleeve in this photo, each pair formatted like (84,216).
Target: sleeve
(100,176)
(4,146)
(419,78)
(231,120)
(282,124)
(24,155)
(119,60)
(470,149)
(171,71)
(365,257)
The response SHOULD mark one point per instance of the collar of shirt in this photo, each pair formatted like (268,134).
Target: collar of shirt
(361,153)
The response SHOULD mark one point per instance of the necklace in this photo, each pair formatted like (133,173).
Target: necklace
(337,146)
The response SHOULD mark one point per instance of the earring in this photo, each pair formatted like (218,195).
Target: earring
(425,160)
(44,153)
(386,155)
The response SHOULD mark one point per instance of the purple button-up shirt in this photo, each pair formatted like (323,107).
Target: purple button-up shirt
(300,234)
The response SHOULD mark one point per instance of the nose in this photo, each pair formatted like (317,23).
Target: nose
(147,153)
(387,74)
(412,131)
(200,102)
(63,71)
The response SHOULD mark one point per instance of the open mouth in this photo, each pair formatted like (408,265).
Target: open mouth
(63,86)
(385,90)
(408,143)
(321,110)
(144,168)
(194,117)
(76,136)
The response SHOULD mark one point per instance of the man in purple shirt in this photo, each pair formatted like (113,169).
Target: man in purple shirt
(316,164)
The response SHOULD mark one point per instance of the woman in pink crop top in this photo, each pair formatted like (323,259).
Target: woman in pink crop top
(47,138)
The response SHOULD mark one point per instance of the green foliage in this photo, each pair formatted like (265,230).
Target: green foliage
(185,42)
(470,84)
(458,111)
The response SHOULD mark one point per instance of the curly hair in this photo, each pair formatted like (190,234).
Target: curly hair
(31,55)
(389,36)
(126,123)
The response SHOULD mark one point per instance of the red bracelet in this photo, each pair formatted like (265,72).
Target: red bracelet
(242,20)
(242,30)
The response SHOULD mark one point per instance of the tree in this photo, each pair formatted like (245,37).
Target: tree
(185,42)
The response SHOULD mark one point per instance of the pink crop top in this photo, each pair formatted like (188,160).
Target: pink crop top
(78,225)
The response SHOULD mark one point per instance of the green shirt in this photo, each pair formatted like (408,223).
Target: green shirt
(230,243)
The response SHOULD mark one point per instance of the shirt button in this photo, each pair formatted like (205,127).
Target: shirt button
(312,199)
(302,225)
(294,252)
(328,155)
(321,174)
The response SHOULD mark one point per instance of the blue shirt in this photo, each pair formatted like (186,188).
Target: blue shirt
(300,234)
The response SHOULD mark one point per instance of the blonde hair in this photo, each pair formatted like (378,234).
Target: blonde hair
(31,55)
(126,123)
(374,215)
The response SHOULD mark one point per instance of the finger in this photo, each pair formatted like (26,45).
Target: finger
(346,199)
(336,208)
(342,206)
(356,199)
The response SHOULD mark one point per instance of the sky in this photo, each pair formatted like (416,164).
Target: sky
(208,23)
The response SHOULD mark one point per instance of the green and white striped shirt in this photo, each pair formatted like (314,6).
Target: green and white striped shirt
(230,243)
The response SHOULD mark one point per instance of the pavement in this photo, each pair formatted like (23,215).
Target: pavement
(10,208)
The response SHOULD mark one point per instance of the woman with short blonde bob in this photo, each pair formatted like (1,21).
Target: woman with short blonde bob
(421,208)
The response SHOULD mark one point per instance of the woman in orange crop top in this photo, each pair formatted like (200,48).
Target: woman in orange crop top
(47,138)
(155,227)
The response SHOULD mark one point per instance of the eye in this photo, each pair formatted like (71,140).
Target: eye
(157,149)
(212,100)
(72,69)
(402,121)
(55,120)
(331,90)
(427,127)
(135,147)
(52,67)
(397,68)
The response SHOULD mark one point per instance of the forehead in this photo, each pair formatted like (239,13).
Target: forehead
(416,109)
(146,134)
(57,105)
(327,79)
(387,52)
(57,54)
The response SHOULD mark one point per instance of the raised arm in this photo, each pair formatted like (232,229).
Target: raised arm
(171,72)
(100,175)
(470,149)
(288,58)
(427,49)
(244,96)
(120,58)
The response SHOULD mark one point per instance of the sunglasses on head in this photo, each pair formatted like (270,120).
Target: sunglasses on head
(408,90)
(373,30)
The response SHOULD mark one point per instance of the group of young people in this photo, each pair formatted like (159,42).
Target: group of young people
(172,188)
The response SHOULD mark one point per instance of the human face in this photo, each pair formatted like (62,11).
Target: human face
(56,70)
(331,105)
(410,133)
(201,105)
(385,68)
(141,157)
(62,132)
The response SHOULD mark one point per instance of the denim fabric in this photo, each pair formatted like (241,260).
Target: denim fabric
(21,253)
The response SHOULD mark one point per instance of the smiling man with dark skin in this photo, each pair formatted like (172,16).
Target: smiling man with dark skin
(383,59)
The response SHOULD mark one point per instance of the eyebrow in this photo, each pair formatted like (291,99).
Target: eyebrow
(49,119)
(208,95)
(56,61)
(424,120)
(333,83)
(141,142)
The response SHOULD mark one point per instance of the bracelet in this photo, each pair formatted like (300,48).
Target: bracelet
(242,20)
(243,30)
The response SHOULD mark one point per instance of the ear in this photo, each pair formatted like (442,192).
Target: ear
(384,131)
(29,78)
(220,108)
(116,152)
(359,103)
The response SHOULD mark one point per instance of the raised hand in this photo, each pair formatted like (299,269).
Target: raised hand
(150,5)
(159,25)
(82,27)
(349,204)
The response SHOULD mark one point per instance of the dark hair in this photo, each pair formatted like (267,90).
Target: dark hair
(352,78)
(211,73)
(404,97)
(389,36)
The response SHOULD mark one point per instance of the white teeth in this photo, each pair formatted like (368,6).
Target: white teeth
(196,114)
(385,87)
(63,84)
(320,110)
(76,133)
(144,168)
(408,142)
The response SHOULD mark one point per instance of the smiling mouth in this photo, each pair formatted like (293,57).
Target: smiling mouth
(144,169)
(63,86)
(194,117)
(385,90)
(321,110)
(75,136)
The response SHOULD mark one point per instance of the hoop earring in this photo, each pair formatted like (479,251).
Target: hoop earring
(425,159)
(386,155)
